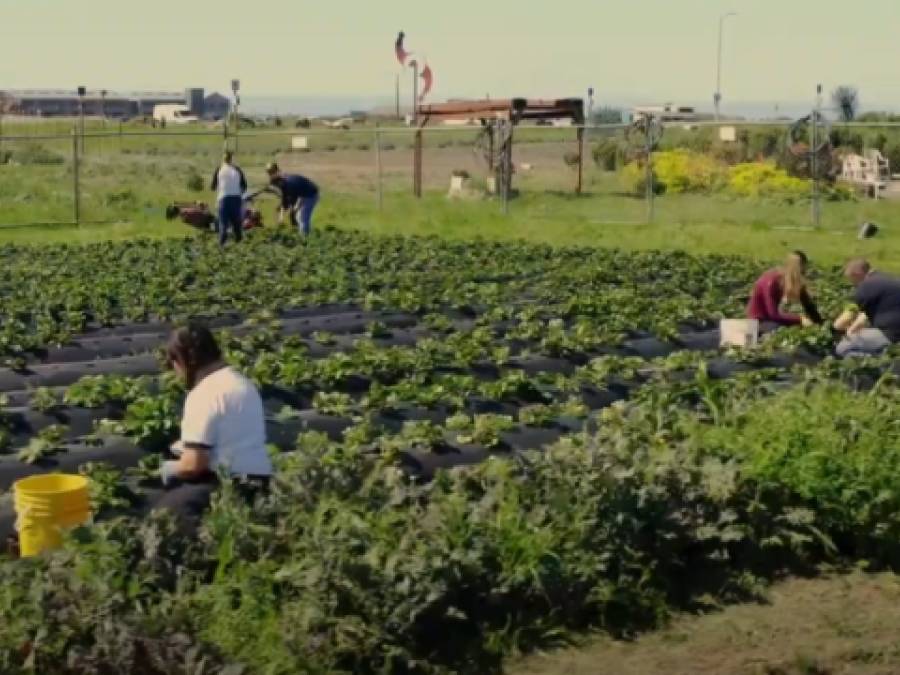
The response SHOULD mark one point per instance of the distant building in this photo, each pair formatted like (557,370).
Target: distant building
(97,102)
(195,100)
(216,106)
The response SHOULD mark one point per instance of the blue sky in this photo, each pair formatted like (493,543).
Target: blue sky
(643,50)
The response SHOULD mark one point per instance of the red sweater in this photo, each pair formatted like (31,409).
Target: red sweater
(765,301)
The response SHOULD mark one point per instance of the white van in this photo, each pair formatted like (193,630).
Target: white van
(173,113)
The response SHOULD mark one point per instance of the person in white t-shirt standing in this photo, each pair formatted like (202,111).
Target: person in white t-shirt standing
(223,426)
(230,185)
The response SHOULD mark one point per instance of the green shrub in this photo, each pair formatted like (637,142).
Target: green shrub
(835,448)
(877,141)
(606,154)
(634,180)
(763,143)
(848,138)
(892,152)
(195,183)
(764,179)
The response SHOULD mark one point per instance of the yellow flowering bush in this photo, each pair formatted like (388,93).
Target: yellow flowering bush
(764,179)
(685,171)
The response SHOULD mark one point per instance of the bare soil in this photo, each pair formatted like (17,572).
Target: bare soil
(535,164)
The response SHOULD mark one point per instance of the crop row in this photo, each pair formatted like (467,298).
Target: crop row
(479,446)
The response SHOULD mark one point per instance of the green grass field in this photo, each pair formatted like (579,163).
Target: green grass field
(692,223)
(127,181)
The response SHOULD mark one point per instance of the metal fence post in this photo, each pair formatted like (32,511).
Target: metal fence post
(417,163)
(651,188)
(379,193)
(76,177)
(581,144)
(814,160)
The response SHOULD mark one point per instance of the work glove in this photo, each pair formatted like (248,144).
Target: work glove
(168,473)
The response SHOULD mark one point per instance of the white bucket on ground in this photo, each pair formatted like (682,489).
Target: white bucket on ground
(739,332)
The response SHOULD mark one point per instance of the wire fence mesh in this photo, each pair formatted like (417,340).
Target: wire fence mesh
(731,173)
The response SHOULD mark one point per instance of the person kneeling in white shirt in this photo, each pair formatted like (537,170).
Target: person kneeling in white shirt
(222,429)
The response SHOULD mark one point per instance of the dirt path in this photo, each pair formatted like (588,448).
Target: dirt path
(840,625)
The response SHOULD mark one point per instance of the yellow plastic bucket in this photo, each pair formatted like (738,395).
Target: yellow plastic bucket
(46,505)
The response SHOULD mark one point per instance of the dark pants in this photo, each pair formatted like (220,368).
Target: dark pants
(189,500)
(230,216)
(303,213)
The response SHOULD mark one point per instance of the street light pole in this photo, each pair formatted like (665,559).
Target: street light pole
(717,98)
(236,88)
(82,92)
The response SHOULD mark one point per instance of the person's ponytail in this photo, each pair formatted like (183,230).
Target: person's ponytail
(794,276)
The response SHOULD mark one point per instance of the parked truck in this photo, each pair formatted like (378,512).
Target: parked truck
(173,113)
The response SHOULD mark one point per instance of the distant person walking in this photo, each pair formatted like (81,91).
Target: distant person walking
(299,196)
(874,324)
(230,184)
(785,283)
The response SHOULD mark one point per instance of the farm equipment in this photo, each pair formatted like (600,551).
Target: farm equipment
(198,214)
(498,119)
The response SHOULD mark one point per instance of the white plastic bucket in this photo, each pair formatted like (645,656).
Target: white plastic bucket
(739,333)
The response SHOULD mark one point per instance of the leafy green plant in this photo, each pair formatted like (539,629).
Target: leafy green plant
(486,430)
(43,399)
(148,468)
(152,421)
(323,338)
(107,488)
(377,329)
(537,415)
(422,434)
(95,391)
(333,403)
(47,442)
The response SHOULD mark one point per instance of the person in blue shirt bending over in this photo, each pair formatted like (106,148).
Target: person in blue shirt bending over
(299,196)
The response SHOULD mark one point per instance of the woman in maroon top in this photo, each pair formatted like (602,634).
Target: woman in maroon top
(784,284)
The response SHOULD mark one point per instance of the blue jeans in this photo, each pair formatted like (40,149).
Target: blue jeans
(867,342)
(303,215)
(230,215)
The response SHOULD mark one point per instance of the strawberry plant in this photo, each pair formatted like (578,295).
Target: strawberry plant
(486,430)
(47,442)
(107,488)
(333,403)
(43,399)
(323,338)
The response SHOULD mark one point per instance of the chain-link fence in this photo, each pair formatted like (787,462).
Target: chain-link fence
(755,174)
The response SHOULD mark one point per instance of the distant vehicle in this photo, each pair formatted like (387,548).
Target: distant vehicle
(343,123)
(174,113)
(667,113)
